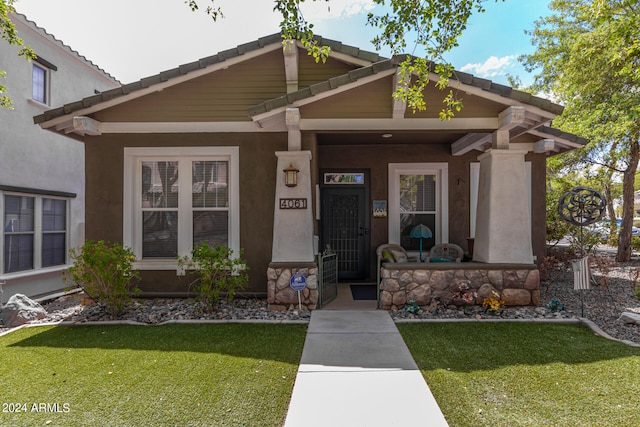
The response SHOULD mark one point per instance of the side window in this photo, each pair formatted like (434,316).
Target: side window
(35,232)
(40,86)
(19,233)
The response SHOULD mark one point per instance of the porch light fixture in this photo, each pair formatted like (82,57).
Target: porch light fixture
(291,176)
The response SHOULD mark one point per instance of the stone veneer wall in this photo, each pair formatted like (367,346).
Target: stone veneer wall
(517,285)
(281,297)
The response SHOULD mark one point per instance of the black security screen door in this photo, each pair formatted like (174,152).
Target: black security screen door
(345,227)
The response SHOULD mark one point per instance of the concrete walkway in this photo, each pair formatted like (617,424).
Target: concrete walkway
(357,371)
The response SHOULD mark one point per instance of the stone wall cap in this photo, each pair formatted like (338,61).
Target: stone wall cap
(293,265)
(455,266)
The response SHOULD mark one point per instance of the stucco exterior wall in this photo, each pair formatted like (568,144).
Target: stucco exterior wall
(104,214)
(37,159)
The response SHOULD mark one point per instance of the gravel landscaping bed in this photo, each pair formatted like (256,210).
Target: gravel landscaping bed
(602,304)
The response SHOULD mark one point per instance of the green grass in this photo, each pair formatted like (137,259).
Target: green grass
(515,374)
(184,375)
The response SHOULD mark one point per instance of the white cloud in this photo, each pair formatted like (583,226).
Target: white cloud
(493,66)
(319,9)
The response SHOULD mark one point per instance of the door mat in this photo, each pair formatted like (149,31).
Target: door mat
(364,292)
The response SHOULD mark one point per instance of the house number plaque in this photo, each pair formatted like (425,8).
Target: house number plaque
(293,203)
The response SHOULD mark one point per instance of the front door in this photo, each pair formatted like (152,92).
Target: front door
(345,227)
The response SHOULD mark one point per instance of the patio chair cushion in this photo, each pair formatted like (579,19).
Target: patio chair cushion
(446,252)
(387,256)
(399,256)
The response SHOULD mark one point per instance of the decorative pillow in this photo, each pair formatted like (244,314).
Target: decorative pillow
(388,256)
(399,256)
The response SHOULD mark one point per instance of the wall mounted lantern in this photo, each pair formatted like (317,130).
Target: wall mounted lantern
(291,176)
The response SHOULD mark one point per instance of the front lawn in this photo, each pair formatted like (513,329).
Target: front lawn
(524,374)
(195,375)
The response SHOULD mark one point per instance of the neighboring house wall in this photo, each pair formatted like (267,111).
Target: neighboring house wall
(39,165)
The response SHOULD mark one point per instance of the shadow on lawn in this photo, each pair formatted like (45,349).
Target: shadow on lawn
(273,342)
(466,347)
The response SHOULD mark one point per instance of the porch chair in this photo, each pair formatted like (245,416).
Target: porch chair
(445,252)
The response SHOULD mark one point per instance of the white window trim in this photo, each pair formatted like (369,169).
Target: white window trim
(37,236)
(132,228)
(474,171)
(441,171)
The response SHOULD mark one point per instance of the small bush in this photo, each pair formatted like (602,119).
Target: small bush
(218,273)
(105,272)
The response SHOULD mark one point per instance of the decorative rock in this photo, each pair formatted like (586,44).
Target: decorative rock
(485,291)
(421,276)
(283,280)
(495,277)
(440,279)
(399,299)
(475,277)
(535,297)
(271,291)
(385,299)
(20,310)
(516,297)
(390,285)
(511,280)
(421,295)
(405,279)
(532,281)
(630,318)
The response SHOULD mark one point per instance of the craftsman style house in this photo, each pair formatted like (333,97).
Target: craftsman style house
(261,148)
(41,173)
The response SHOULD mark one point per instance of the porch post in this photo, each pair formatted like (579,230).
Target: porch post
(503,225)
(292,251)
(293,212)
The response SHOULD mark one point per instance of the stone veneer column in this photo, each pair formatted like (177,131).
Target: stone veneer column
(503,225)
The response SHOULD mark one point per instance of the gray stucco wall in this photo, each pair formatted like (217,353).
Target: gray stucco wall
(37,159)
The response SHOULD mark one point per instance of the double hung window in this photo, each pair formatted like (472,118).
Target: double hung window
(418,196)
(177,198)
(40,84)
(34,232)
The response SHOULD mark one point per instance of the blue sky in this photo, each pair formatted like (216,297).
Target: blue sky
(132,39)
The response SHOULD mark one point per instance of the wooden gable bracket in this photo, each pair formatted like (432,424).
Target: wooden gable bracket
(86,126)
(292,119)
(544,146)
(290,52)
(471,141)
(508,119)
(399,106)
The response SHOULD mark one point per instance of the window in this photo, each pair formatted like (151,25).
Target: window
(40,84)
(418,196)
(35,232)
(177,198)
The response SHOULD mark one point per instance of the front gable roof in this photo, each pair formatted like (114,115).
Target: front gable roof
(248,89)
(193,70)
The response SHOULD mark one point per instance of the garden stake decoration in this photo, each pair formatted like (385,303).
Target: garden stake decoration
(581,206)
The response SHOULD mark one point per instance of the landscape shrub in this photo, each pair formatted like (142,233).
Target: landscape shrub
(105,272)
(218,273)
